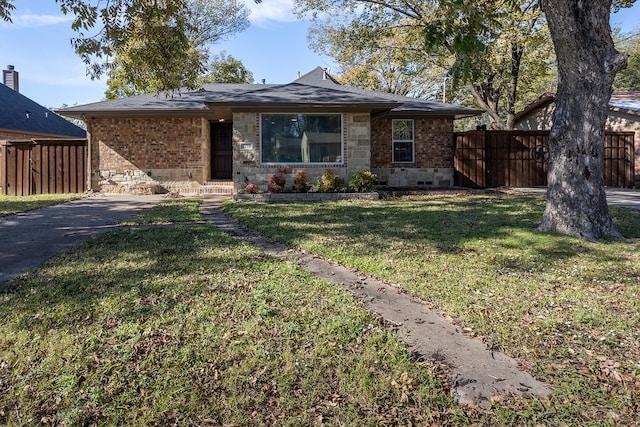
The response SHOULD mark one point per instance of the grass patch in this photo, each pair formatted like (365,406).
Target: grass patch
(185,326)
(10,205)
(169,211)
(569,310)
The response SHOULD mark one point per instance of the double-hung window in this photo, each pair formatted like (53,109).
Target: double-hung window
(301,138)
(402,140)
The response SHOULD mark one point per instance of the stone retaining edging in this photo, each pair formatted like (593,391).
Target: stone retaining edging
(302,197)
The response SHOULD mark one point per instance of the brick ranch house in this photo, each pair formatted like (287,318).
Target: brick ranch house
(241,133)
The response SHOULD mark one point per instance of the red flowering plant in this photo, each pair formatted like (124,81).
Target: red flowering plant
(277,181)
(251,188)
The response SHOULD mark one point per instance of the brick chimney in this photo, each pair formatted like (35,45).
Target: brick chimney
(10,78)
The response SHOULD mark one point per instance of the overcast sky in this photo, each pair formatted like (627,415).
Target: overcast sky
(274,48)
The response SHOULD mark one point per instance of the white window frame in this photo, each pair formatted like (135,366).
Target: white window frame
(342,144)
(411,140)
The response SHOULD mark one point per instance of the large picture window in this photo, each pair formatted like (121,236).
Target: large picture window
(402,140)
(301,138)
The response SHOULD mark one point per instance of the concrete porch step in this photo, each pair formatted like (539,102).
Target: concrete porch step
(222,188)
(213,187)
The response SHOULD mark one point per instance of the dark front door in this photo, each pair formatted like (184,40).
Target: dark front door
(221,151)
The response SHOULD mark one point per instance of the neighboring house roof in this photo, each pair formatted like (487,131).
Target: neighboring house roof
(316,89)
(626,102)
(20,114)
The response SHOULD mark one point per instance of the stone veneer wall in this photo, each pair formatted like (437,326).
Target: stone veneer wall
(163,153)
(434,150)
(246,152)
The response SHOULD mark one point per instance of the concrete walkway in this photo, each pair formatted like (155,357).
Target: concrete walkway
(28,239)
(477,374)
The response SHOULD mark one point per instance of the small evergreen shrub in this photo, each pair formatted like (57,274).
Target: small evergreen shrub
(301,182)
(329,182)
(362,181)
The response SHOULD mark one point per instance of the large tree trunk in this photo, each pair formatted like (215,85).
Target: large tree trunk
(587,64)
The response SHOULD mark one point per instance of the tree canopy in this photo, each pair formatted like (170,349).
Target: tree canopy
(133,70)
(226,69)
(382,51)
(156,43)
(629,78)
(484,49)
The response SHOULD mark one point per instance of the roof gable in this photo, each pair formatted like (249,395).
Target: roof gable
(318,77)
(19,113)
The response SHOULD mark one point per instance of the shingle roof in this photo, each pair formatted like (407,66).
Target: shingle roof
(19,113)
(315,89)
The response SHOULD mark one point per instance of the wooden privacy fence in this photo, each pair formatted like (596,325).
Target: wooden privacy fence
(43,166)
(520,159)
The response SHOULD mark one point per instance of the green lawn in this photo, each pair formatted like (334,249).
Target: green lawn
(182,325)
(10,205)
(569,310)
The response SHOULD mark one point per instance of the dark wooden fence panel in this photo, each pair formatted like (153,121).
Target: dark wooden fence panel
(44,166)
(619,159)
(16,166)
(520,159)
(516,159)
(469,158)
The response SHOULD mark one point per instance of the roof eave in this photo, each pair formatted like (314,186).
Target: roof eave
(452,114)
(305,106)
(624,111)
(134,113)
(36,134)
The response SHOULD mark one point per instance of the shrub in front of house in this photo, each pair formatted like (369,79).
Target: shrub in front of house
(251,188)
(329,182)
(277,182)
(362,181)
(301,182)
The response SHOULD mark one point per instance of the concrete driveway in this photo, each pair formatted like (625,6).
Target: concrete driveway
(28,239)
(624,198)
(615,196)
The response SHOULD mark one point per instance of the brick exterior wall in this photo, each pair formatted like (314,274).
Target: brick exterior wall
(246,152)
(433,161)
(171,153)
